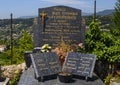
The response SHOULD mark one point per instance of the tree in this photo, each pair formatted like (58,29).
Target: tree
(105,46)
(92,36)
(24,44)
(116,19)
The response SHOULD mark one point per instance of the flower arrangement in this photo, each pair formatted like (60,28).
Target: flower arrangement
(46,48)
(62,49)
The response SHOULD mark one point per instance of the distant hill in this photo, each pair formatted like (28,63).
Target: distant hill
(105,12)
(86,14)
(101,13)
(27,17)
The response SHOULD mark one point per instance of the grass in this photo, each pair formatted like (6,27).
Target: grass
(6,60)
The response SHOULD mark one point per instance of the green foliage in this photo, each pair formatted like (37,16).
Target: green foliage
(102,44)
(102,19)
(117,14)
(115,32)
(107,39)
(116,19)
(107,79)
(5,59)
(92,36)
(17,57)
(15,79)
(24,44)
(114,52)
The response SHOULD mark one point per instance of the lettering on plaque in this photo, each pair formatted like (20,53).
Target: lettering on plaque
(45,64)
(80,64)
(61,21)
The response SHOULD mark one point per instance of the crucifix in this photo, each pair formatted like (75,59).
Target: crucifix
(43,14)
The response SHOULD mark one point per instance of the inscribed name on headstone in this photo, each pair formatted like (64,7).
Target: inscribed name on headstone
(80,64)
(59,23)
(45,64)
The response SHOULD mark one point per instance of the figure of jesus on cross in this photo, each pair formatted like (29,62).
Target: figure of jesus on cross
(43,14)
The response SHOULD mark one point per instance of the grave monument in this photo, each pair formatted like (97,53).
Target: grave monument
(53,25)
(59,23)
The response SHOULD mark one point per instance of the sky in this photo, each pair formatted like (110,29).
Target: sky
(30,7)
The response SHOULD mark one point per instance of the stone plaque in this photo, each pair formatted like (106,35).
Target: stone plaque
(45,64)
(80,64)
(59,23)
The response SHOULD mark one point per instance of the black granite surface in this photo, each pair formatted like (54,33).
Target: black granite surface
(60,23)
(80,63)
(27,78)
(45,64)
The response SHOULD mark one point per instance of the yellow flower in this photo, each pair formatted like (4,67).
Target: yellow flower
(45,48)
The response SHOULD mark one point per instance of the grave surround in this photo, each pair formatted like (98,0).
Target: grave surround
(56,24)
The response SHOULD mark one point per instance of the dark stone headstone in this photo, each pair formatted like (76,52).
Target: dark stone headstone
(80,64)
(59,23)
(45,64)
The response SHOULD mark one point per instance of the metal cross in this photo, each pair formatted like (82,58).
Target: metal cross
(43,14)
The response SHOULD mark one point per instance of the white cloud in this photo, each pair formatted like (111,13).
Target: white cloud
(68,2)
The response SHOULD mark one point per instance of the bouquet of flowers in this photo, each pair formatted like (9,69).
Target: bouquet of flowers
(45,48)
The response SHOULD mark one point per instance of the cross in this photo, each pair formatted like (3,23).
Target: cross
(43,14)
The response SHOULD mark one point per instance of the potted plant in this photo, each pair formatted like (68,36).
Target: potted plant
(65,77)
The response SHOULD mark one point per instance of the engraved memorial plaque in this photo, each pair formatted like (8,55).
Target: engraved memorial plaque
(45,64)
(80,64)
